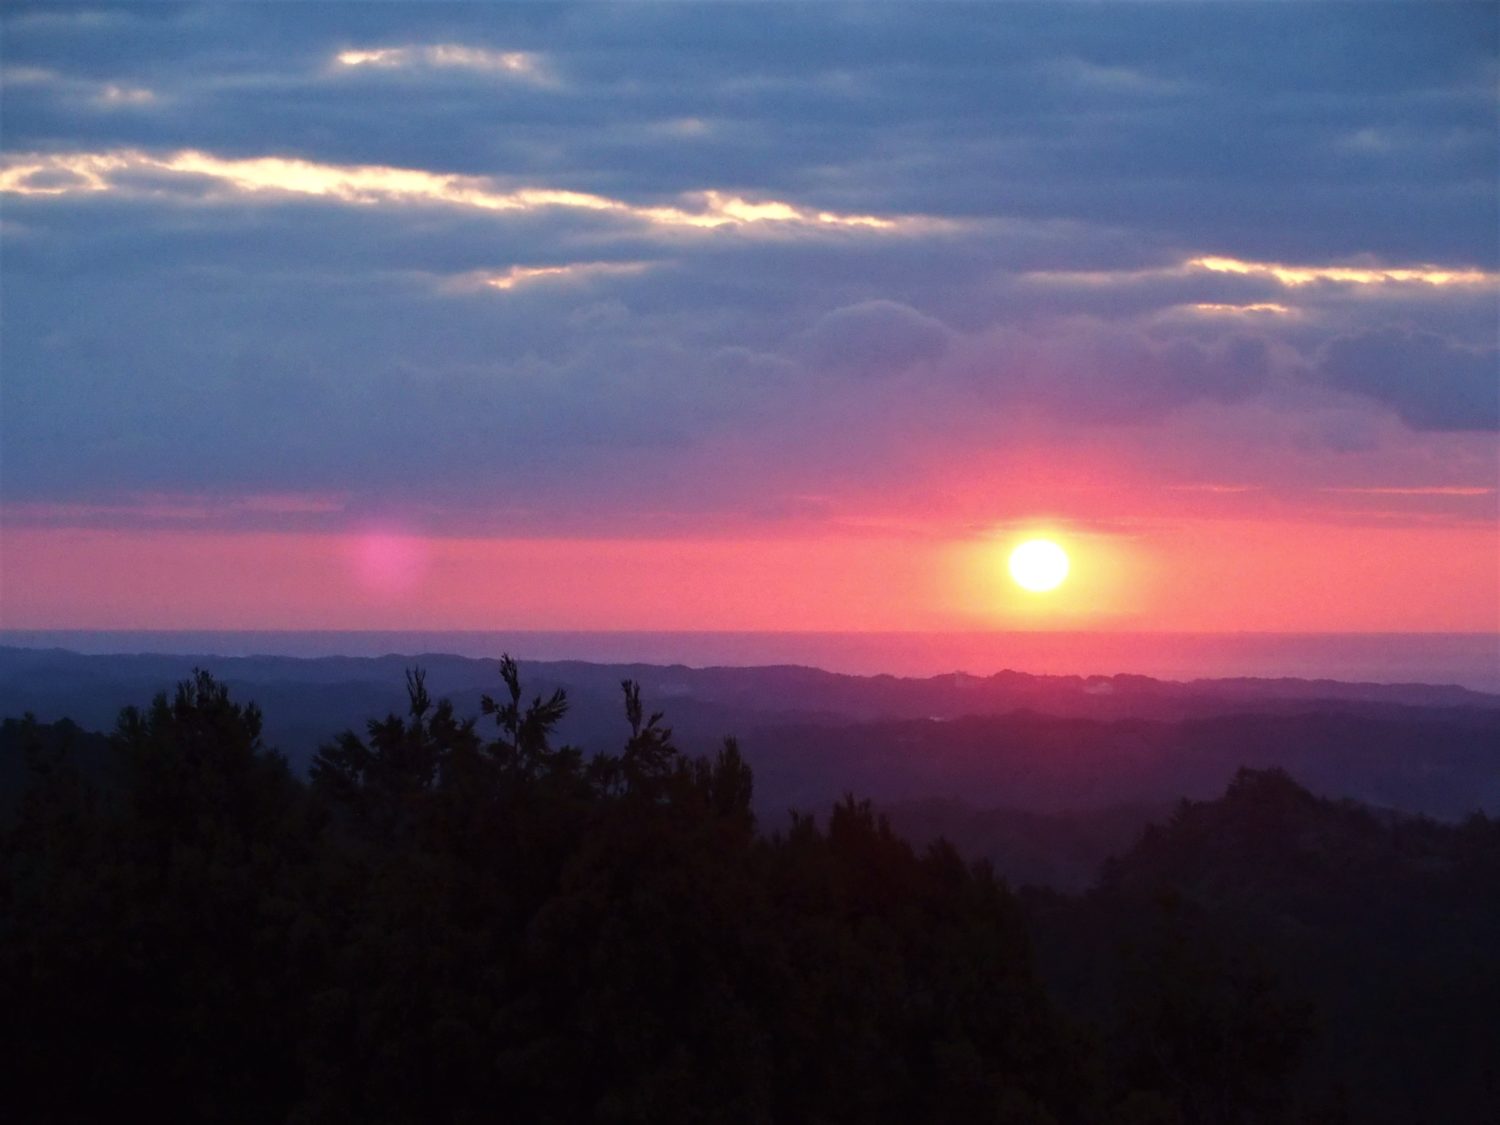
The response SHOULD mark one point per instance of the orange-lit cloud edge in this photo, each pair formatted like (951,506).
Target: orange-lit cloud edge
(122,171)
(185,172)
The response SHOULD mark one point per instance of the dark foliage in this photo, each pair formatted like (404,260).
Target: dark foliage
(453,923)
(1391,923)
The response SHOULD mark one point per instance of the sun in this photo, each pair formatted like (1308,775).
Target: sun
(1039,565)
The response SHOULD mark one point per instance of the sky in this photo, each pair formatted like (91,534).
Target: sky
(750,317)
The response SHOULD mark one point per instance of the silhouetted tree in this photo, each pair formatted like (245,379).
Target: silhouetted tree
(441,924)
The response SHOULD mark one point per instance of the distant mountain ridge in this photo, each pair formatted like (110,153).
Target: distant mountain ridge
(777,688)
(1047,744)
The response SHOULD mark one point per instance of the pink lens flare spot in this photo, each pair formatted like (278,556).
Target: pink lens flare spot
(388,563)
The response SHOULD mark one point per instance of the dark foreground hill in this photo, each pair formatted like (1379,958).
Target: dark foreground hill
(1039,744)
(451,920)
(1388,923)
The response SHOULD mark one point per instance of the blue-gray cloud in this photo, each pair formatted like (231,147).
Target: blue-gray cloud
(1049,174)
(1431,382)
(874,338)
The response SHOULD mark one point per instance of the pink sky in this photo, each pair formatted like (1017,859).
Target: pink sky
(1227,575)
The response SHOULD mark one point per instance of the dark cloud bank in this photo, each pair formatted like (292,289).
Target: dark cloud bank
(1050,173)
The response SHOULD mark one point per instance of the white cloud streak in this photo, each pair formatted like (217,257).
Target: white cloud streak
(1215,308)
(136,172)
(1296,276)
(114,96)
(446,56)
(100,95)
(517,277)
(1286,275)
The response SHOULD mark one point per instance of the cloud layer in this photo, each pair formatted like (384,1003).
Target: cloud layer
(575,269)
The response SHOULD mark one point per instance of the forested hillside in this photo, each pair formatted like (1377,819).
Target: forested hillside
(1387,924)
(454,918)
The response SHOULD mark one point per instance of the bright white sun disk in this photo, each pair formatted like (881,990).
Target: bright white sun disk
(1039,565)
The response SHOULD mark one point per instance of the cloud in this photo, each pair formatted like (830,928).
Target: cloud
(105,95)
(115,96)
(662,263)
(14,76)
(1423,490)
(176,509)
(875,337)
(1216,308)
(1093,373)
(1284,275)
(1112,80)
(1431,382)
(523,65)
(135,172)
(1296,276)
(517,276)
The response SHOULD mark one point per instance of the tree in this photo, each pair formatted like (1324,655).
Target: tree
(147,949)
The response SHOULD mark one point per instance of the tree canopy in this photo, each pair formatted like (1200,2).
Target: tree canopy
(455,918)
